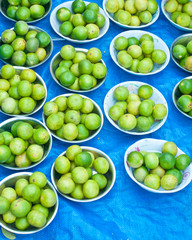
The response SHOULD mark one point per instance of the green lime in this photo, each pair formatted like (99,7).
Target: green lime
(133,41)
(183,19)
(143,124)
(30,34)
(151,160)
(62,165)
(5,153)
(145,91)
(80,33)
(78,6)
(8,36)
(63,14)
(6,51)
(93,6)
(37,11)
(67,78)
(90,189)
(32,45)
(100,20)
(170,147)
(185,86)
(31,59)
(85,82)
(90,16)
(159,111)
(27,104)
(18,58)
(83,159)
(100,179)
(66,28)
(43,38)
(135,159)
(152,181)
(169,182)
(92,30)
(159,56)
(22,13)
(145,17)
(19,44)
(159,171)
(25,131)
(7,71)
(179,51)
(8,105)
(182,162)
(175,172)
(99,70)
(145,37)
(140,173)
(167,160)
(79,175)
(67,52)
(92,121)
(75,102)
(11,11)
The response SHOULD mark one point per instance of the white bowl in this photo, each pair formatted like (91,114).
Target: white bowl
(168,16)
(10,182)
(96,110)
(158,44)
(39,104)
(183,40)
(110,175)
(56,23)
(110,15)
(132,86)
(55,64)
(175,96)
(155,145)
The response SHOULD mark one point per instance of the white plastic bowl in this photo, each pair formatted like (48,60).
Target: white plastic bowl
(133,86)
(110,15)
(110,175)
(168,16)
(155,145)
(158,44)
(56,23)
(183,40)
(55,64)
(175,96)
(96,110)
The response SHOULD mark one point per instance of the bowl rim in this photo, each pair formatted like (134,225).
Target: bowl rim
(34,120)
(169,19)
(54,213)
(77,141)
(141,184)
(128,33)
(47,56)
(107,24)
(132,27)
(71,90)
(174,98)
(33,21)
(99,196)
(172,46)
(110,92)
(38,77)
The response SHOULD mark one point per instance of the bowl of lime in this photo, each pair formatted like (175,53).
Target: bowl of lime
(19,215)
(135,108)
(28,11)
(178,13)
(83,174)
(83,71)
(158,166)
(79,21)
(132,14)
(139,52)
(182,96)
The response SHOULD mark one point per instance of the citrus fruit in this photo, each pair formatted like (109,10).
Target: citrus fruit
(135,159)
(43,38)
(90,189)
(151,160)
(182,162)
(175,172)
(170,147)
(140,173)
(6,51)
(168,182)
(152,181)
(167,160)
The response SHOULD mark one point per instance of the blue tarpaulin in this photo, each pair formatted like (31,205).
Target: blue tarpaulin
(127,211)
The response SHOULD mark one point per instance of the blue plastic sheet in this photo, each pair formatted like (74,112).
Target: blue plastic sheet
(127,211)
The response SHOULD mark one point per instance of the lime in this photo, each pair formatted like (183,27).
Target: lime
(99,70)
(145,91)
(183,19)
(121,43)
(18,58)
(92,121)
(140,173)
(185,86)
(168,182)
(145,17)
(11,11)
(34,153)
(115,112)
(24,131)
(85,82)
(27,104)
(4,85)
(31,59)
(17,146)
(78,6)
(67,78)
(63,14)
(5,153)
(8,137)
(145,108)
(66,28)
(22,223)
(61,103)
(179,51)
(167,160)
(79,175)
(37,11)
(182,162)
(31,192)
(83,132)
(171,6)
(66,185)
(62,165)
(8,36)
(77,193)
(38,92)
(159,56)
(145,37)
(90,189)
(8,105)
(135,159)
(79,56)
(159,111)
(174,16)
(38,178)
(7,71)
(70,131)
(124,59)
(6,51)
(22,13)
(151,160)
(90,16)
(93,6)
(72,151)
(30,34)
(66,63)
(100,20)
(28,74)
(100,179)
(19,44)
(135,51)
(32,45)
(4,205)
(43,38)
(92,30)
(159,171)
(80,32)
(67,52)
(133,41)
(75,102)
(170,147)
(124,17)
(152,6)
(152,181)
(143,124)
(127,122)
(175,172)
(48,198)
(83,159)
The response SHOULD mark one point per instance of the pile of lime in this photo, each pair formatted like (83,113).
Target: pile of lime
(159,169)
(84,22)
(81,173)
(27,10)
(181,12)
(184,102)
(19,92)
(183,54)
(72,118)
(132,12)
(138,55)
(136,111)
(79,70)
(24,47)
(23,144)
(27,203)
